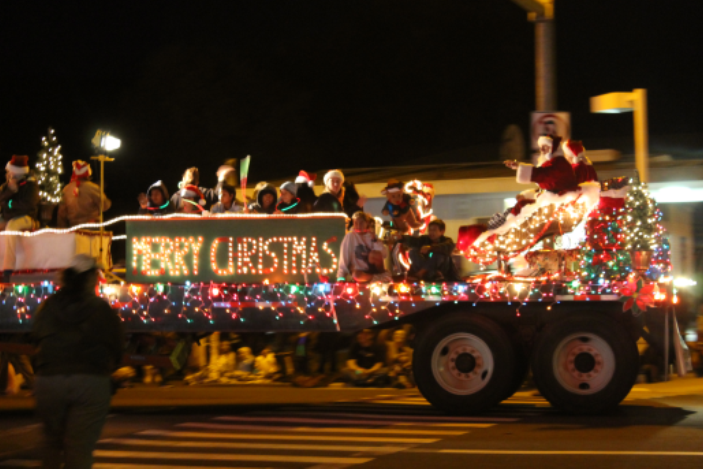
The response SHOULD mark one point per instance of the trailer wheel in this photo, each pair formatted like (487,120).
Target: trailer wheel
(464,364)
(585,363)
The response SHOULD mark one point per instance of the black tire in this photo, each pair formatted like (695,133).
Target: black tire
(585,363)
(484,359)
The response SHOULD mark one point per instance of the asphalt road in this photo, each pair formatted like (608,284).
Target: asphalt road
(158,428)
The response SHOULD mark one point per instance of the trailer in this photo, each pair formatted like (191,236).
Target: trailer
(476,340)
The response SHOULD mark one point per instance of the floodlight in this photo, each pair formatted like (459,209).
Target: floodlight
(106,142)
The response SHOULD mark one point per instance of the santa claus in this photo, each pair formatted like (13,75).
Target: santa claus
(554,173)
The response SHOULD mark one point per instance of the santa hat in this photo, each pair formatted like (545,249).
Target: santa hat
(190,192)
(307,178)
(574,151)
(393,185)
(333,173)
(290,187)
(18,165)
(81,169)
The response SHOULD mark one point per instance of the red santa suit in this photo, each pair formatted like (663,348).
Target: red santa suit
(576,154)
(555,174)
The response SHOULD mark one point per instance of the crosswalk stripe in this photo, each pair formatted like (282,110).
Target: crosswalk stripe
(248,445)
(288,437)
(401,401)
(335,421)
(392,431)
(562,453)
(429,418)
(284,458)
(448,425)
(347,422)
(103,465)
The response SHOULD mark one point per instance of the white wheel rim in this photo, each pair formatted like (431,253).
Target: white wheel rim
(462,363)
(583,363)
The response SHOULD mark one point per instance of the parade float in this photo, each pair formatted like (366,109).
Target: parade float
(593,258)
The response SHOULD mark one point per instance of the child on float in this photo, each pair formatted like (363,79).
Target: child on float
(191,177)
(339,196)
(431,254)
(362,254)
(306,182)
(401,207)
(266,198)
(155,201)
(228,200)
(192,200)
(288,202)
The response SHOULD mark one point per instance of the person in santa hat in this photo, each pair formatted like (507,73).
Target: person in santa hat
(191,177)
(338,196)
(582,166)
(81,198)
(305,182)
(19,200)
(554,174)
(192,200)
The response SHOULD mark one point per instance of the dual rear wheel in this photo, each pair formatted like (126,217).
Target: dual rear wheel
(466,363)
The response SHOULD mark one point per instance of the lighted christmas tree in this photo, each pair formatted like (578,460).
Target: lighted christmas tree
(604,258)
(49,169)
(642,219)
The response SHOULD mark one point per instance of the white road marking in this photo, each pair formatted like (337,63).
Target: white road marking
(560,453)
(338,421)
(280,437)
(432,418)
(249,445)
(392,431)
(284,458)
(448,425)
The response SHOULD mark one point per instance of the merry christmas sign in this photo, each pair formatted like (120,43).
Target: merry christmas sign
(234,248)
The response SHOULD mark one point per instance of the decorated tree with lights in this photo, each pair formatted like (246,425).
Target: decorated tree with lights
(642,219)
(604,257)
(49,168)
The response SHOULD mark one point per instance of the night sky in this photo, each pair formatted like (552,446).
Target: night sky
(323,84)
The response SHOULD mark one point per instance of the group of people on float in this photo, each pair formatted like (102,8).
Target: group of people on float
(363,256)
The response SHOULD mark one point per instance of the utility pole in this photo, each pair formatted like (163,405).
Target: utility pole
(541,12)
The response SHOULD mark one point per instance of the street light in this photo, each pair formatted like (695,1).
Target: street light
(103,143)
(635,102)
(541,12)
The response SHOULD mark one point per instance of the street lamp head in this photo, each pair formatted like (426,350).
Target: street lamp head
(613,103)
(103,141)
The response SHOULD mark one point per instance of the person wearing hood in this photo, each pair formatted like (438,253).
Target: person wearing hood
(155,201)
(289,203)
(19,200)
(338,196)
(266,198)
(81,198)
(228,200)
(79,342)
